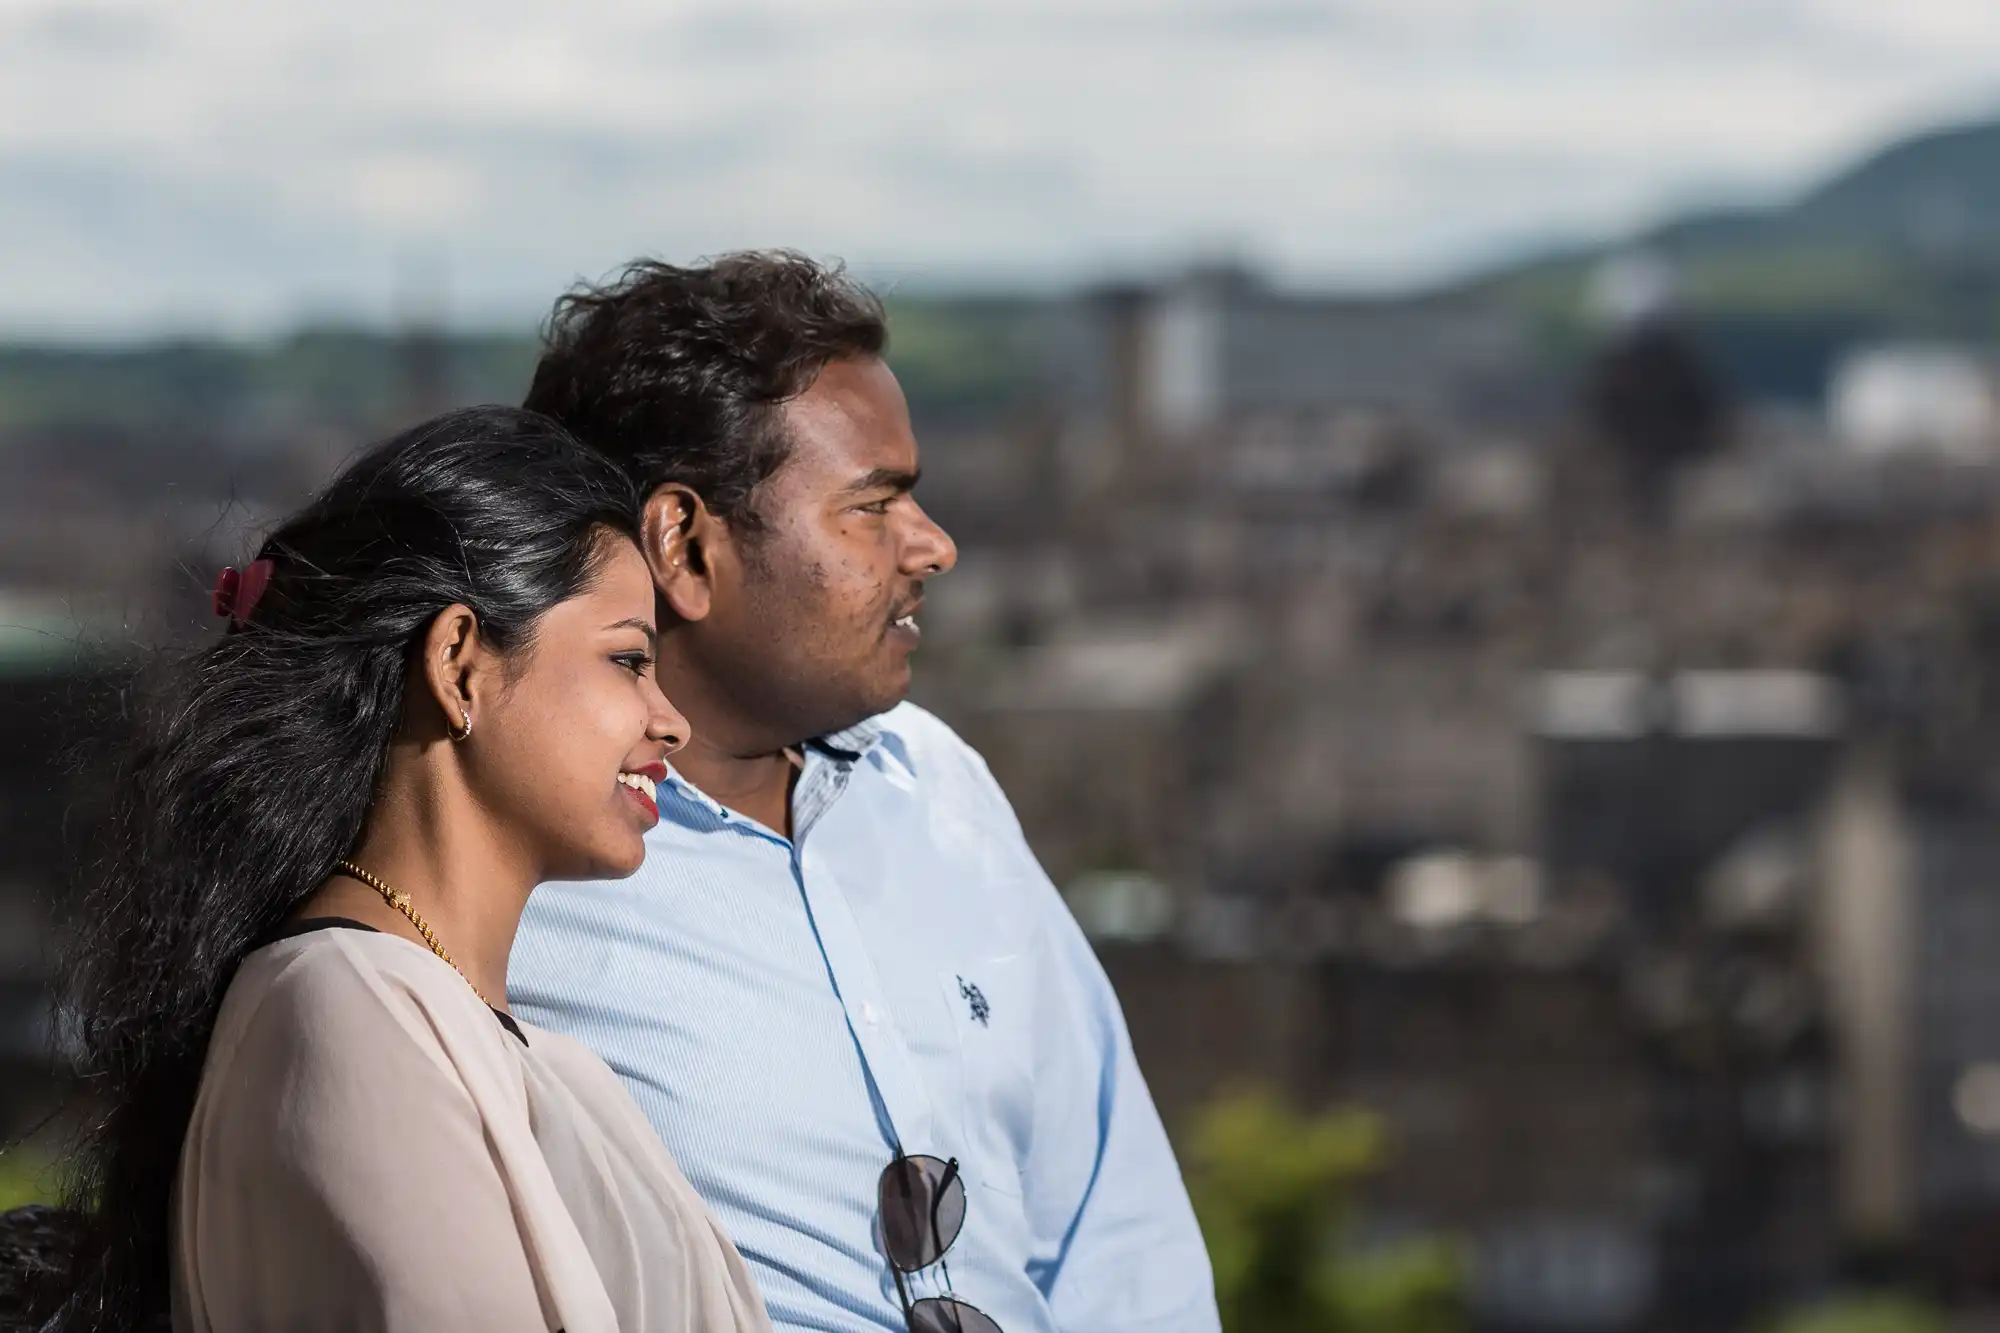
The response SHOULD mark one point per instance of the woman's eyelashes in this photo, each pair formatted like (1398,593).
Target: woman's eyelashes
(636,663)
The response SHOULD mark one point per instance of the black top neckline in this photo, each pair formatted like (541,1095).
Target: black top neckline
(307,925)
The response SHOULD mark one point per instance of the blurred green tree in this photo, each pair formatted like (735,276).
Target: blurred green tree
(1274,1190)
(1880,1313)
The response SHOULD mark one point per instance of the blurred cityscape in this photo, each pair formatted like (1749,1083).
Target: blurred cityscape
(1559,713)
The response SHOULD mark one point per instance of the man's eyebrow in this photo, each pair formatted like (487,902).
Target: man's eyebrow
(890,478)
(644,627)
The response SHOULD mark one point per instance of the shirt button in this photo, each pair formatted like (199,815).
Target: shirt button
(869,1014)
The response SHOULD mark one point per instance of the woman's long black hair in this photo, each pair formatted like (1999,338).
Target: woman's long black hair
(248,768)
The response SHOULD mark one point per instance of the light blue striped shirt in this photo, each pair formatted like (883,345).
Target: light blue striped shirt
(787,1012)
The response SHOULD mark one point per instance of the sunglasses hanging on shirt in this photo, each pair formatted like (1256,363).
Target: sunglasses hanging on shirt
(922,1204)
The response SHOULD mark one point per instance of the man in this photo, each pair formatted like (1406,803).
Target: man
(840,954)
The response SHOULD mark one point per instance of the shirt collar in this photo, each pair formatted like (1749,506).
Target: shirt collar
(845,748)
(851,743)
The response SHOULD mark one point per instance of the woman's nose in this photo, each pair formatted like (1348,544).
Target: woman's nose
(667,724)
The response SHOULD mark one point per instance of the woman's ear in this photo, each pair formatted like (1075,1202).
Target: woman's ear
(676,534)
(458,671)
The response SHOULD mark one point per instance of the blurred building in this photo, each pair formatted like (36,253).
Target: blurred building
(1216,345)
(1920,398)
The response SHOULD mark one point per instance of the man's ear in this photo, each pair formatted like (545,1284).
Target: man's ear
(460,671)
(679,537)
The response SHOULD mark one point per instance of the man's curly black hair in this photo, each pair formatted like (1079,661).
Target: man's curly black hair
(678,373)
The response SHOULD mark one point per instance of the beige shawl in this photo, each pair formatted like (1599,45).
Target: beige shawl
(371,1149)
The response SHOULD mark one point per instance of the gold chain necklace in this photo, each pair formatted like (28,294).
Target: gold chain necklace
(401,902)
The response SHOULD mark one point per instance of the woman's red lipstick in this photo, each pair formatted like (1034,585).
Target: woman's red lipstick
(654,773)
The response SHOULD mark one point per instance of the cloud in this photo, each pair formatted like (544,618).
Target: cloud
(234,165)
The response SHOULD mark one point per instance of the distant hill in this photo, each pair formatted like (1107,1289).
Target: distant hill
(1905,244)
(353,380)
(957,358)
(1937,194)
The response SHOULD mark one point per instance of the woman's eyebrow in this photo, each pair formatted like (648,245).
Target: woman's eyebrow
(633,622)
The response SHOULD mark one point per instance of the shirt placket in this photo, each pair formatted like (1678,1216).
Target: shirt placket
(891,1069)
(905,1100)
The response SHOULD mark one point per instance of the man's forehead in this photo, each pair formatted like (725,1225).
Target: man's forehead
(851,421)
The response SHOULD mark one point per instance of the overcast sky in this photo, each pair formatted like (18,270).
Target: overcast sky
(224,165)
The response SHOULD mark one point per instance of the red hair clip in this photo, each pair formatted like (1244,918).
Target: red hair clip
(236,594)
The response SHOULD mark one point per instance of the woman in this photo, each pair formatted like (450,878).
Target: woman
(435,692)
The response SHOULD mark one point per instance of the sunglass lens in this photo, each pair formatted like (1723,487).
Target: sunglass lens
(943,1315)
(923,1207)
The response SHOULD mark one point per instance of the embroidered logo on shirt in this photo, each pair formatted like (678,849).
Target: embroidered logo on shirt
(975,1001)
